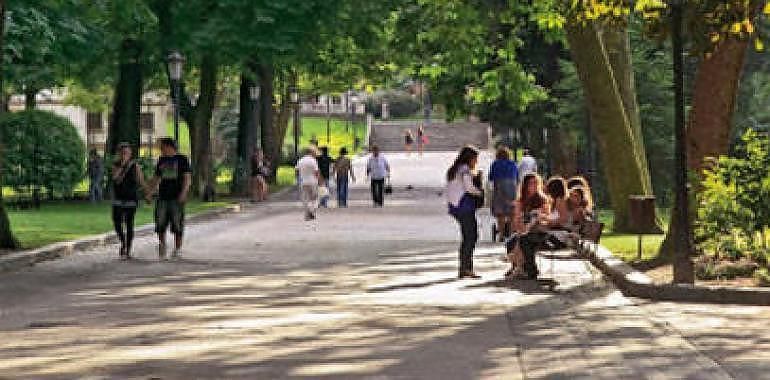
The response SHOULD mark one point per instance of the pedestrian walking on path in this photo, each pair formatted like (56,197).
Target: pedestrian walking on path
(126,178)
(95,176)
(408,141)
(422,139)
(464,197)
(343,170)
(260,171)
(308,174)
(324,170)
(528,164)
(172,179)
(377,169)
(505,176)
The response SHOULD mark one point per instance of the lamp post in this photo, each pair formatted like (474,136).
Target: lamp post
(683,265)
(295,102)
(353,101)
(175,62)
(254,92)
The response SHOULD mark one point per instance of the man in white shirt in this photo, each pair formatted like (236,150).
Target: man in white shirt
(307,172)
(527,164)
(377,169)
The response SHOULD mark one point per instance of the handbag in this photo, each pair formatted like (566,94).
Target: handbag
(466,206)
(388,187)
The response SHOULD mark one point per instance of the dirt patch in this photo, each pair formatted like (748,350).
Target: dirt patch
(665,275)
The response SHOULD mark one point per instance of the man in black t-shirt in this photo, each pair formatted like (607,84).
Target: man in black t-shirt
(172,179)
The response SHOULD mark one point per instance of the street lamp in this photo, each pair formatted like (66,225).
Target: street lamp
(175,62)
(353,102)
(254,92)
(295,102)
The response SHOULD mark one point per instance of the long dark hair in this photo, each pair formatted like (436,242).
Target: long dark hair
(556,188)
(467,154)
(535,200)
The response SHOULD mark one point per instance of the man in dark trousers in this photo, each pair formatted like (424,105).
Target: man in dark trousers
(377,169)
(172,179)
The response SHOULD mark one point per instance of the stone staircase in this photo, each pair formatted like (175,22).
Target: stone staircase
(442,136)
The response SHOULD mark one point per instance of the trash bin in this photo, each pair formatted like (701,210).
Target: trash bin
(642,218)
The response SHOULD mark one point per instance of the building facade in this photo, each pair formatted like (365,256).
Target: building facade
(92,126)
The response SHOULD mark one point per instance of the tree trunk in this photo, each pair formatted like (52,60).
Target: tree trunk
(270,143)
(622,166)
(247,134)
(199,122)
(30,98)
(124,124)
(710,121)
(618,46)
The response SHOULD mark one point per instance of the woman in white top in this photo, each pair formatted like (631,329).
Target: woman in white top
(464,197)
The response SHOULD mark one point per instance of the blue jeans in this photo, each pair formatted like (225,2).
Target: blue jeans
(342,191)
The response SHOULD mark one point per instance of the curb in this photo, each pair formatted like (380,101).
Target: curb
(17,260)
(633,283)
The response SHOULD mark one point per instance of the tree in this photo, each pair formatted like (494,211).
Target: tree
(7,240)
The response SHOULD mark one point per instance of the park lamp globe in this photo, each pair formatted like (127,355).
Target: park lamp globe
(254,92)
(294,95)
(175,64)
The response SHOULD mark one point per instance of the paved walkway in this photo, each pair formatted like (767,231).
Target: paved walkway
(358,293)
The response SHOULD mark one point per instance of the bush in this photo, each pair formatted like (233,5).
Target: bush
(400,103)
(42,149)
(711,270)
(733,208)
(762,275)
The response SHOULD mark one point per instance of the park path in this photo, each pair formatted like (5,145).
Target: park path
(358,293)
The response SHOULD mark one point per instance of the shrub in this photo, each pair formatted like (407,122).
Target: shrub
(400,103)
(712,270)
(41,149)
(762,275)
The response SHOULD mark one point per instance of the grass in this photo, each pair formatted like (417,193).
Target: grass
(61,221)
(316,127)
(625,246)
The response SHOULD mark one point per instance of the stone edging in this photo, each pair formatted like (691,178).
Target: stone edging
(636,284)
(18,260)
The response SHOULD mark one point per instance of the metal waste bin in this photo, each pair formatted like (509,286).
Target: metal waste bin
(642,218)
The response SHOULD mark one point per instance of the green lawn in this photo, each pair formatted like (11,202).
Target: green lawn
(625,246)
(61,221)
(316,127)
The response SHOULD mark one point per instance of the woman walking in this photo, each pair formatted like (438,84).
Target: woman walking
(344,172)
(505,176)
(408,141)
(422,140)
(464,198)
(260,170)
(126,178)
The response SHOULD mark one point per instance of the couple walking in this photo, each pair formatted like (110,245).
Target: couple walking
(314,170)
(171,181)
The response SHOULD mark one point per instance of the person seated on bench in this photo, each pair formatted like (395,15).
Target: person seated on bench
(529,210)
(588,200)
(560,227)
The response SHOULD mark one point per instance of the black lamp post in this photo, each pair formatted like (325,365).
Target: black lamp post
(254,92)
(175,62)
(683,266)
(295,102)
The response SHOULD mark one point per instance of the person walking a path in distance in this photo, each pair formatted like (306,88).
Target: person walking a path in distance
(422,139)
(95,176)
(377,169)
(343,169)
(324,170)
(260,170)
(505,176)
(463,198)
(127,176)
(527,164)
(173,176)
(308,173)
(408,141)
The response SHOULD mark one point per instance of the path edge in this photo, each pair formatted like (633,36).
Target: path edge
(633,283)
(17,260)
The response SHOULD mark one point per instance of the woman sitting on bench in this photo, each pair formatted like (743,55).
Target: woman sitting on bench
(529,211)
